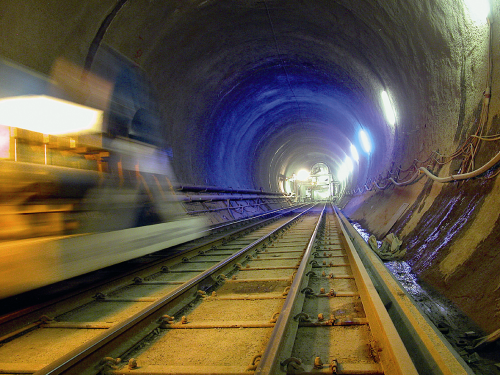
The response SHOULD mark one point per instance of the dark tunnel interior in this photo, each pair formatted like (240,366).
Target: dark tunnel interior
(268,92)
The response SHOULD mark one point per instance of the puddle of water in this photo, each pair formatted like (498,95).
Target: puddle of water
(437,308)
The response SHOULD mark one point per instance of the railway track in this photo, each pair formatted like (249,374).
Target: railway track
(290,297)
(21,329)
(35,301)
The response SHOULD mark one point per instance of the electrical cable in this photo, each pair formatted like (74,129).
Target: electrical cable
(468,149)
(463,176)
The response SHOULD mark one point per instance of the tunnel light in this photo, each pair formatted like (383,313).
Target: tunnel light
(48,115)
(341,174)
(348,163)
(303,175)
(366,144)
(354,153)
(345,169)
(390,116)
(478,10)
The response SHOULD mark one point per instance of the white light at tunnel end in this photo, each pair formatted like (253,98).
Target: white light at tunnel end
(303,175)
(366,144)
(341,174)
(479,10)
(390,115)
(354,153)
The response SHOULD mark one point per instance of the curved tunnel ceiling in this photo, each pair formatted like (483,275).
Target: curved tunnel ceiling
(251,90)
(270,87)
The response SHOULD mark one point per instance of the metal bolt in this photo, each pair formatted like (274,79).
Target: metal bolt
(132,363)
(318,363)
(274,318)
(99,296)
(333,366)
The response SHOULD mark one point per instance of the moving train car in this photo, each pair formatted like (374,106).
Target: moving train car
(82,187)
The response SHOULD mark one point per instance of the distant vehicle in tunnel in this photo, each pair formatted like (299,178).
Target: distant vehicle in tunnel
(81,188)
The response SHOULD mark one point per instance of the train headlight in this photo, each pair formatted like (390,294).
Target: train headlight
(48,115)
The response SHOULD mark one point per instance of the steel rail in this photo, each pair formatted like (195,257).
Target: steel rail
(247,219)
(393,354)
(277,341)
(226,208)
(215,189)
(207,241)
(203,198)
(72,358)
(431,351)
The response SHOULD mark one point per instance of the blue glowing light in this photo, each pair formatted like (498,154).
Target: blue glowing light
(354,153)
(365,141)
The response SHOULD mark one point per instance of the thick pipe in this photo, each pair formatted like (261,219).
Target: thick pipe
(463,176)
(214,189)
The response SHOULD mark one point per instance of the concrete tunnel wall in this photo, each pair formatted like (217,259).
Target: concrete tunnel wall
(250,90)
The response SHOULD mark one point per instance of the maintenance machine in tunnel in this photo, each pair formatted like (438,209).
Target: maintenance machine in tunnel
(82,188)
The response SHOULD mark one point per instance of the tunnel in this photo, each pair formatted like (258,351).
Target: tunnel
(249,92)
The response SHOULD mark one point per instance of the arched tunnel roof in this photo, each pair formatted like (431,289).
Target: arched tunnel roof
(251,90)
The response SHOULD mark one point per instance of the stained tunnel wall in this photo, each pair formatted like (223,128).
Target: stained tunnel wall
(249,90)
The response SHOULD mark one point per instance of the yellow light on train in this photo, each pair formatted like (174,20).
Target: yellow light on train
(48,115)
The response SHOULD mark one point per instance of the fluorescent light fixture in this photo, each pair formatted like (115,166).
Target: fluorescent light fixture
(366,144)
(348,163)
(390,116)
(345,169)
(478,10)
(303,175)
(354,153)
(48,115)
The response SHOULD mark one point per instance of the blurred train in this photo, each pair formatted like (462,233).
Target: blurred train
(82,187)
